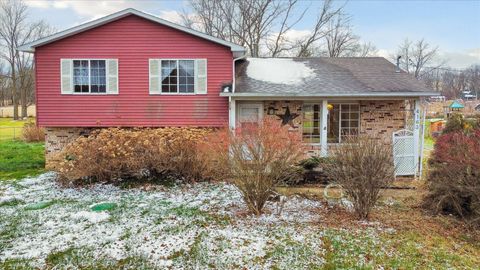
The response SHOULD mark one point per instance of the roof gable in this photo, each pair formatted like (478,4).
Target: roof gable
(456,105)
(30,47)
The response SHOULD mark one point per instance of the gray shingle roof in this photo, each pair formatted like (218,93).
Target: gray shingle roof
(349,76)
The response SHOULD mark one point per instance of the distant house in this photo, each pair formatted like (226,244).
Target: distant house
(132,69)
(437,98)
(468,95)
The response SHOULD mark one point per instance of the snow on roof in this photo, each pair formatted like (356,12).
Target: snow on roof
(278,70)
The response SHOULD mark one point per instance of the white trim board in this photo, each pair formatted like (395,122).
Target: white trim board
(30,47)
(327,95)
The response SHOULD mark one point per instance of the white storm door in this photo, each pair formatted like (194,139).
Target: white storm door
(250,113)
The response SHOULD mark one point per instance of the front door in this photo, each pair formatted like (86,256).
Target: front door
(249,114)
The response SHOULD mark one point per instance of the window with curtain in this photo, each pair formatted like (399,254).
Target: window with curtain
(89,76)
(343,121)
(178,76)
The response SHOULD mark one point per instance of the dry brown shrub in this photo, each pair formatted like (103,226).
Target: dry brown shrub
(254,158)
(362,166)
(32,133)
(454,177)
(114,154)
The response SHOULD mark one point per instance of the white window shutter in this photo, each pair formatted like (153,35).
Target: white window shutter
(201,76)
(112,76)
(154,78)
(66,70)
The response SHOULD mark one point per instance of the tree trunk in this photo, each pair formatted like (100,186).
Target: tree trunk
(23,101)
(14,93)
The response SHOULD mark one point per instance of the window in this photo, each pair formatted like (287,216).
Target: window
(89,76)
(311,123)
(250,114)
(343,121)
(178,76)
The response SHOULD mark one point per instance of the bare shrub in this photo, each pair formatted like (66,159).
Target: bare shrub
(362,166)
(32,133)
(254,158)
(454,177)
(113,155)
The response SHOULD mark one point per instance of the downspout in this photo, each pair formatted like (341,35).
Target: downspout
(233,70)
(231,102)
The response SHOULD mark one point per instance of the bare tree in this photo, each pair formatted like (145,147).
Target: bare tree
(260,25)
(340,41)
(340,37)
(365,49)
(451,82)
(320,29)
(3,85)
(15,30)
(418,58)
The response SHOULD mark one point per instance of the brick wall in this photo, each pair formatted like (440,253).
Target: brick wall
(280,107)
(57,137)
(378,118)
(381,118)
(295,107)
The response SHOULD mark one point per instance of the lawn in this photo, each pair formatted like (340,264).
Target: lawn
(19,159)
(206,226)
(12,129)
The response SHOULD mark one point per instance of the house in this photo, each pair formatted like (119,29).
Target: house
(132,69)
(468,95)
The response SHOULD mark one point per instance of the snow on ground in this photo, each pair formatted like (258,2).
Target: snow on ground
(192,226)
(278,70)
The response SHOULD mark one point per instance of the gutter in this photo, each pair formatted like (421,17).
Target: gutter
(324,95)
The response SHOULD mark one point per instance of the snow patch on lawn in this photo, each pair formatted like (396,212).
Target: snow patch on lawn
(207,223)
(93,217)
(278,70)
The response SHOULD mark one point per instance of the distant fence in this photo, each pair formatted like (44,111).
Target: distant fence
(7,111)
(10,133)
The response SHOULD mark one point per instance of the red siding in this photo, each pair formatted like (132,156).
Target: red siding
(132,40)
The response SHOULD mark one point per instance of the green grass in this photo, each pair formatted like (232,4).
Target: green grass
(12,129)
(9,122)
(19,159)
(429,141)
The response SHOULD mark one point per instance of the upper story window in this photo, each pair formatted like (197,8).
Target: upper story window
(89,76)
(178,76)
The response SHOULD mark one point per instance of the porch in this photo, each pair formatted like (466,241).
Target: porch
(324,123)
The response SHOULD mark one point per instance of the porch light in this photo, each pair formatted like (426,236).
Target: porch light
(329,107)
(271,110)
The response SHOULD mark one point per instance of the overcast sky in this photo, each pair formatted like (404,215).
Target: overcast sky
(454,26)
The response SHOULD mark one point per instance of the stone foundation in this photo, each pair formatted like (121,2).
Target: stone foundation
(58,137)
